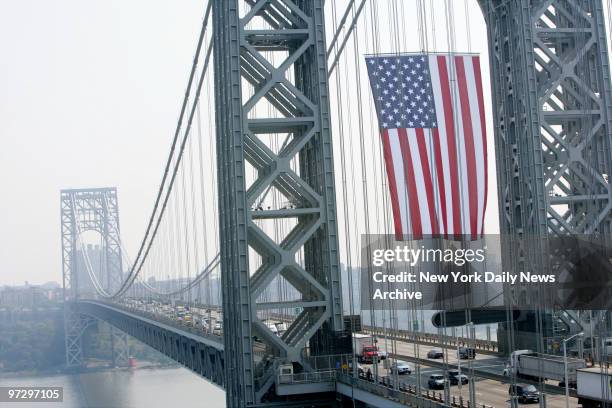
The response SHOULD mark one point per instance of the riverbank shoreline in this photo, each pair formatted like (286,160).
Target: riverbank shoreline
(93,368)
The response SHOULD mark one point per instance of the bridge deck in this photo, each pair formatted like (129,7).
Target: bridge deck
(203,355)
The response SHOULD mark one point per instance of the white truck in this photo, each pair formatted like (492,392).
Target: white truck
(530,365)
(361,340)
(594,387)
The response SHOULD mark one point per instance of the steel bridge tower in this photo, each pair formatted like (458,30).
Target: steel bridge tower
(550,77)
(296,89)
(84,210)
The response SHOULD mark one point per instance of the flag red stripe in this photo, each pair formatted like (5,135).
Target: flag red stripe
(431,200)
(481,107)
(397,218)
(469,145)
(452,147)
(413,198)
(440,173)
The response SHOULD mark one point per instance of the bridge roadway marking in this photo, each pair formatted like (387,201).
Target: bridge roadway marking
(195,337)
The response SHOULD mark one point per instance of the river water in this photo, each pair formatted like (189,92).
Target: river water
(140,388)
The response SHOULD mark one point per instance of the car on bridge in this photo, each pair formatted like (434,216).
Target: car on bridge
(465,353)
(368,354)
(401,367)
(524,393)
(436,382)
(435,353)
(454,377)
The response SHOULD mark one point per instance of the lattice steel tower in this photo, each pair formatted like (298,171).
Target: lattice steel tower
(273,55)
(553,109)
(84,210)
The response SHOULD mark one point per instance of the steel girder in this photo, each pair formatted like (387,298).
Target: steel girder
(85,210)
(297,90)
(553,109)
(201,355)
(75,324)
(88,210)
(551,89)
(120,347)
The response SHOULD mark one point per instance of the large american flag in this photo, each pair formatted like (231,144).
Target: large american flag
(431,116)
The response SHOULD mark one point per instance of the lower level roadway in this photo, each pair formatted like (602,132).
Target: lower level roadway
(488,391)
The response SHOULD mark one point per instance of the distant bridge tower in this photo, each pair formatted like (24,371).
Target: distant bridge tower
(553,119)
(271,79)
(84,210)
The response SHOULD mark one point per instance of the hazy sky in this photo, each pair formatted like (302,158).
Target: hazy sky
(90,94)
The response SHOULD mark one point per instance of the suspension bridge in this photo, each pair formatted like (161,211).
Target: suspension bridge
(248,269)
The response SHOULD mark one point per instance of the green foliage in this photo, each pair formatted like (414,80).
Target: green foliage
(32,345)
(35,343)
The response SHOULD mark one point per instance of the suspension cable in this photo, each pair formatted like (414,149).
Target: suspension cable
(137,266)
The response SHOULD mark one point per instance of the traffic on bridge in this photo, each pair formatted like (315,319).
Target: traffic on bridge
(364,203)
(347,156)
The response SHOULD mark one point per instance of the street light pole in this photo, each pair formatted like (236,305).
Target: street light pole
(565,366)
(468,327)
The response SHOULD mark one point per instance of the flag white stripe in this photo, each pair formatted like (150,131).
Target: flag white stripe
(434,170)
(400,180)
(441,122)
(477,131)
(417,166)
(464,190)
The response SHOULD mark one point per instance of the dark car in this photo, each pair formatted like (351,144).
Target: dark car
(524,392)
(571,384)
(436,382)
(435,353)
(465,353)
(454,376)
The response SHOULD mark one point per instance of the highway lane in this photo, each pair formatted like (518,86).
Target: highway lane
(488,392)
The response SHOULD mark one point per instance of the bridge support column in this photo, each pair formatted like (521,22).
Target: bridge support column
(120,349)
(85,210)
(271,83)
(553,115)
(75,324)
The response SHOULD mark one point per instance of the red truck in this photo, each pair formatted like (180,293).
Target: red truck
(364,347)
(368,353)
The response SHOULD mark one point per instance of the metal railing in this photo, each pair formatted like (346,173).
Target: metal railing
(307,377)
(188,327)
(406,393)
(434,339)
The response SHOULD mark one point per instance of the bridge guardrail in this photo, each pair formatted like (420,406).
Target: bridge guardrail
(309,377)
(163,319)
(484,346)
(406,393)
